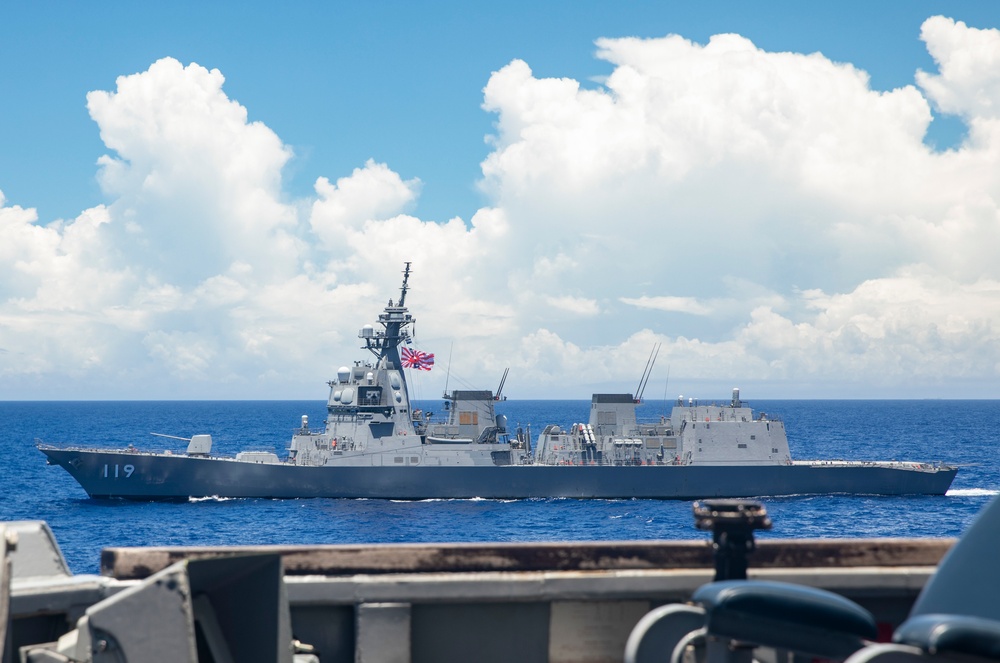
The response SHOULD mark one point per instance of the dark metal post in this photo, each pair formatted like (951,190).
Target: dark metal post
(732,523)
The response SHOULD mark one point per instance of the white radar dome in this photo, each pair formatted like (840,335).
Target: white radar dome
(343,374)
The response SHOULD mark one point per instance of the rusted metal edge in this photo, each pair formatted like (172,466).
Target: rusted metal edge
(341,560)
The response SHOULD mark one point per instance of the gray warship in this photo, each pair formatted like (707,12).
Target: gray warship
(373,445)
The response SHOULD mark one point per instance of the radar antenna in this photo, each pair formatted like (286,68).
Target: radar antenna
(647,372)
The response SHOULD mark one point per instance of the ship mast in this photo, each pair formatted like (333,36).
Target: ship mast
(404,288)
(384,343)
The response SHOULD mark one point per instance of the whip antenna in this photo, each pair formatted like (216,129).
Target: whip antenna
(647,372)
(447,375)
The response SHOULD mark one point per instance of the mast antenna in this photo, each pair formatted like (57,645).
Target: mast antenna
(406,278)
(665,384)
(647,372)
(447,376)
(503,381)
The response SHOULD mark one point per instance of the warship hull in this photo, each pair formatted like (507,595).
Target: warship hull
(147,476)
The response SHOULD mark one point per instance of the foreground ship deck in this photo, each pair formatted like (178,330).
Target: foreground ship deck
(438,602)
(559,602)
(374,445)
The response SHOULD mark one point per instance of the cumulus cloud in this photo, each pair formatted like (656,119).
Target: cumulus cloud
(372,192)
(194,181)
(721,148)
(969,80)
(696,167)
(915,327)
(812,234)
(199,273)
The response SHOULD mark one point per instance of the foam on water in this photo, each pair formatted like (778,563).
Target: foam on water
(971,492)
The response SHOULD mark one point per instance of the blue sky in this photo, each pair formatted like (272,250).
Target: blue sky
(401,86)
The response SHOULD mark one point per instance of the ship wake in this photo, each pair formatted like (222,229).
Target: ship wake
(971,492)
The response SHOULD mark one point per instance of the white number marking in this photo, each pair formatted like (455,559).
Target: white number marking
(127,469)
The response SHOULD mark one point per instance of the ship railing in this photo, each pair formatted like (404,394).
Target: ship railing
(725,416)
(130,450)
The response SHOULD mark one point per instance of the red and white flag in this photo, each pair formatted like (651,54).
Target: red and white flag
(421,361)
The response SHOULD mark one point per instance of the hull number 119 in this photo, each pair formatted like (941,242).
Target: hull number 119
(117,470)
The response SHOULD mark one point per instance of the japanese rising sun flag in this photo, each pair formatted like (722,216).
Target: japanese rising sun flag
(422,361)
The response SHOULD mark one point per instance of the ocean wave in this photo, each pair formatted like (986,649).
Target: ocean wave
(971,492)
(452,499)
(213,498)
(433,499)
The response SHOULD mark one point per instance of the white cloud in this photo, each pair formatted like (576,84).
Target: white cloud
(197,182)
(704,166)
(369,193)
(185,354)
(665,303)
(913,326)
(579,305)
(969,64)
(814,235)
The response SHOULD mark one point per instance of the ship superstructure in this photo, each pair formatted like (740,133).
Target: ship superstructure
(370,423)
(711,434)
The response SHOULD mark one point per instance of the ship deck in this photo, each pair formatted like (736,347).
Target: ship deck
(531,602)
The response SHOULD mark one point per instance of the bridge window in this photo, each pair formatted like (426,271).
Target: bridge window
(369,395)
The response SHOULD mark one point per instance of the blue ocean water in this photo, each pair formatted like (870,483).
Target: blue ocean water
(959,432)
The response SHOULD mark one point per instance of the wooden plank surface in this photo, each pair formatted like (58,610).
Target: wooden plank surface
(342,560)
